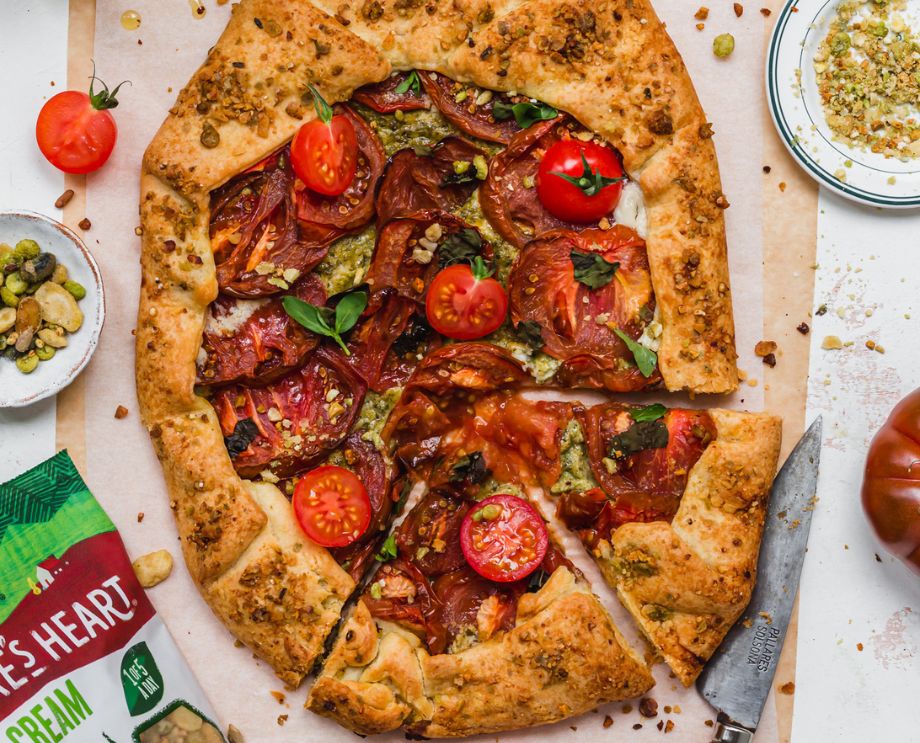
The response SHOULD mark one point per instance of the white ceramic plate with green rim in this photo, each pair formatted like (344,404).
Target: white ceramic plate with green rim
(50,377)
(795,106)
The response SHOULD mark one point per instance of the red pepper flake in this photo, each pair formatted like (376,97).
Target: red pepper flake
(702,14)
(608,721)
(803,328)
(121,412)
(859,646)
(648,707)
(782,186)
(668,726)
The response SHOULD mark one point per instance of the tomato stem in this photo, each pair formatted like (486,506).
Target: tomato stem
(323,109)
(591,182)
(105,98)
(480,269)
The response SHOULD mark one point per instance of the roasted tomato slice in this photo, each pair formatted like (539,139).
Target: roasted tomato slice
(577,317)
(507,201)
(332,506)
(580,181)
(413,344)
(369,465)
(291,423)
(412,250)
(469,108)
(257,246)
(401,593)
(642,472)
(384,98)
(351,209)
(255,340)
(465,303)
(430,533)
(413,181)
(503,538)
(469,600)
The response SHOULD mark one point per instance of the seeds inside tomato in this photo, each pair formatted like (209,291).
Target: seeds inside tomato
(332,506)
(504,538)
(464,303)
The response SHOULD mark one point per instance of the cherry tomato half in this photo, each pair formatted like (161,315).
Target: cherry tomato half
(332,506)
(503,538)
(324,152)
(579,181)
(463,303)
(75,131)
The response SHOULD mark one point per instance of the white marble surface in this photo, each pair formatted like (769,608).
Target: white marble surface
(867,261)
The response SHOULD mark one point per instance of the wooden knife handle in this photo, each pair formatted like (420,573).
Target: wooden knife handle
(726,732)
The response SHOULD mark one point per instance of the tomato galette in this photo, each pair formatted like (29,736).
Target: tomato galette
(384,245)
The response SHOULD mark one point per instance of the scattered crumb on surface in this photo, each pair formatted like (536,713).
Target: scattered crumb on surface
(608,721)
(787,688)
(140,516)
(121,412)
(84,224)
(648,707)
(831,343)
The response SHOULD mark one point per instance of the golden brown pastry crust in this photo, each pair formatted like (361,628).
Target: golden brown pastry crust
(687,582)
(610,63)
(563,657)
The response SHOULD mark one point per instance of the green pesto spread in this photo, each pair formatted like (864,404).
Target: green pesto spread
(576,470)
(416,129)
(505,252)
(374,413)
(347,261)
(540,365)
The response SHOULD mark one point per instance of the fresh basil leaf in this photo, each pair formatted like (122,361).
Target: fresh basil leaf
(470,469)
(413,337)
(410,82)
(460,247)
(310,316)
(244,433)
(646,359)
(648,413)
(639,437)
(348,310)
(531,333)
(592,269)
(525,114)
(537,580)
(388,550)
(403,497)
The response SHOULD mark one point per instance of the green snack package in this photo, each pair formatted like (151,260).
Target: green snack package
(83,654)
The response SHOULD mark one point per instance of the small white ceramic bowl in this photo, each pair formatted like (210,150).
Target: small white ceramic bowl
(18,389)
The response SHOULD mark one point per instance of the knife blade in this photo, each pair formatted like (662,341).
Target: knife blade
(737,680)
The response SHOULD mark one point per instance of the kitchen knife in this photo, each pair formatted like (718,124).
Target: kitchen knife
(738,678)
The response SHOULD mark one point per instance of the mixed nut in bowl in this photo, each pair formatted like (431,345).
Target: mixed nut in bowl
(51,307)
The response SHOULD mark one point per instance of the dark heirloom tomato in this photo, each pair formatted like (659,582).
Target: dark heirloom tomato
(503,538)
(645,485)
(442,389)
(332,506)
(370,341)
(297,424)
(508,198)
(405,596)
(352,209)
(413,344)
(396,262)
(577,321)
(383,97)
(260,347)
(413,181)
(891,484)
(254,233)
(466,114)
(430,534)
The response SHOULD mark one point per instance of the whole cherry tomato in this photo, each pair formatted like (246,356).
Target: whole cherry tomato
(324,152)
(891,484)
(579,181)
(76,132)
(463,303)
(332,506)
(503,538)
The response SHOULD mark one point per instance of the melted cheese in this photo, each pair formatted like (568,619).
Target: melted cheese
(630,212)
(230,322)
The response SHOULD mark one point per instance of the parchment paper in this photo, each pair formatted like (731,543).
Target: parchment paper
(159,58)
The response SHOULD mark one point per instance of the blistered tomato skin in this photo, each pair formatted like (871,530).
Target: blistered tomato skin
(503,538)
(332,506)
